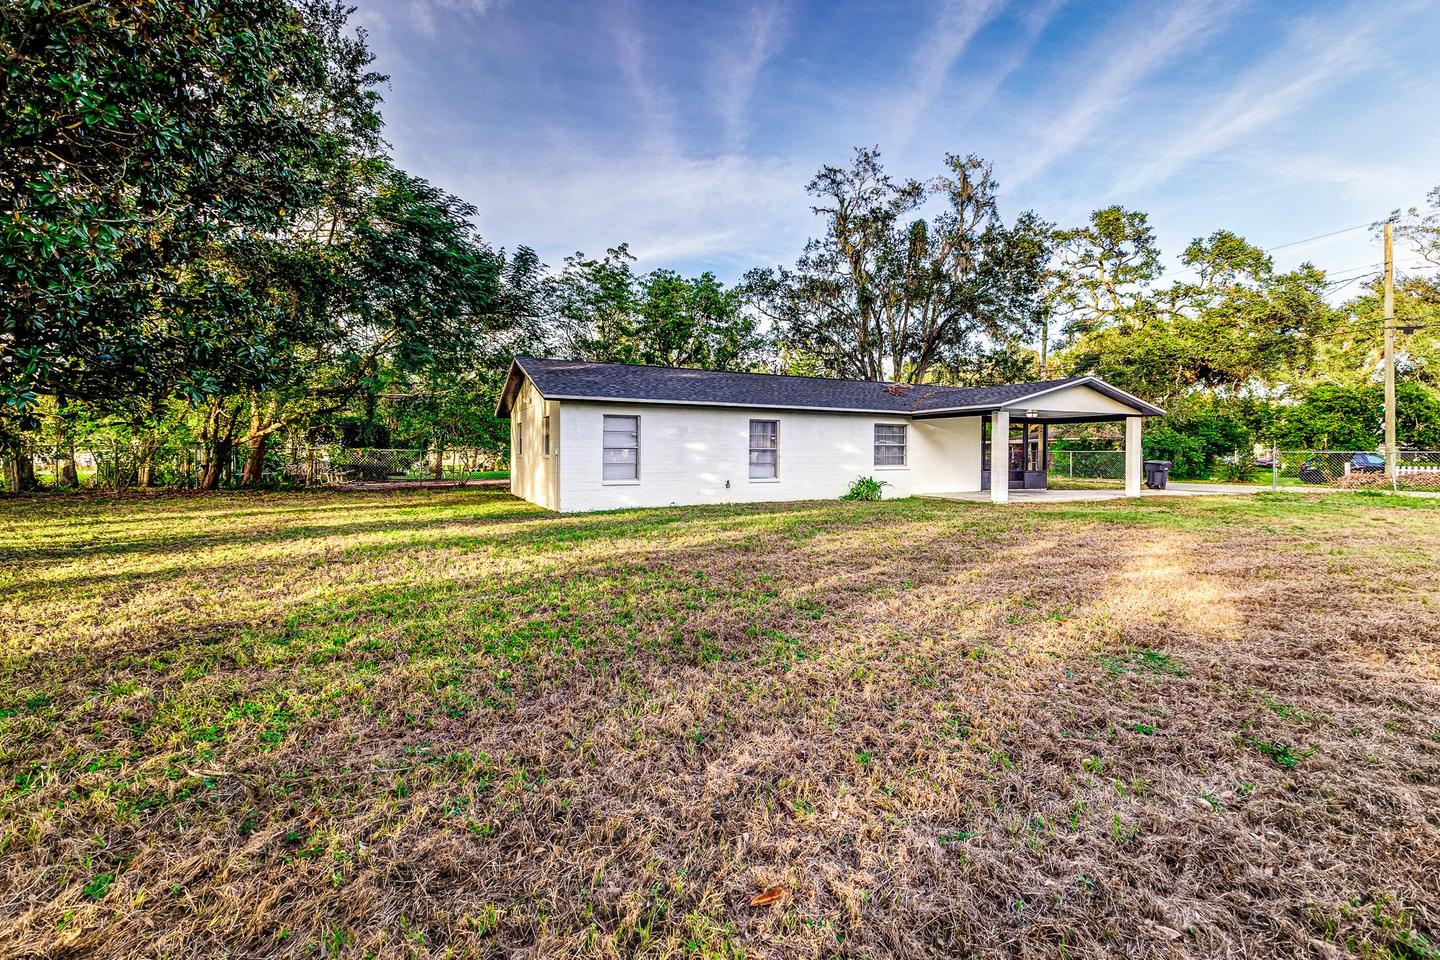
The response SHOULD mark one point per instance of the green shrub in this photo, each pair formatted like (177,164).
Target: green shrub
(865,488)
(1194,443)
(1185,452)
(1239,467)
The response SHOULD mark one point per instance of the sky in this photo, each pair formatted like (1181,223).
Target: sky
(689,130)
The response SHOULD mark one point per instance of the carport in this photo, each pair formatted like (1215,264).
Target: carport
(1016,434)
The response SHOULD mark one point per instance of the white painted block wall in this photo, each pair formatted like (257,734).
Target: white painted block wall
(535,476)
(696,454)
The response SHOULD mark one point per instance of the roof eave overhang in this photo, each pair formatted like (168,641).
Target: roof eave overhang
(1140,407)
(656,401)
(517,374)
(513,379)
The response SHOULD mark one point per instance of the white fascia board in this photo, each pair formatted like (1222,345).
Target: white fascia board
(1128,396)
(1139,405)
(986,407)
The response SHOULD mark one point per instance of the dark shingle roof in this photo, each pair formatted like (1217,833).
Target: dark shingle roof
(580,380)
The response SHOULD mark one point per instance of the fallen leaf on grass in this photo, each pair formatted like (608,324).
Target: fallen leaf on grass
(767,896)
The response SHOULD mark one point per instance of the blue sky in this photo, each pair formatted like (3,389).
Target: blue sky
(690,129)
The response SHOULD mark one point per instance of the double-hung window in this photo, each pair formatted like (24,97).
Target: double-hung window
(545,436)
(890,444)
(764,449)
(622,448)
(519,440)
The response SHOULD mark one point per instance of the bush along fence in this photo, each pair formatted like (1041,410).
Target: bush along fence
(1340,469)
(323,465)
(180,467)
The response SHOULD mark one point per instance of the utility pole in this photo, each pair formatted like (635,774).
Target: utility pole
(1390,451)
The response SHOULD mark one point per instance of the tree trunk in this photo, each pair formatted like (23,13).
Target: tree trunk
(255,462)
(218,439)
(20,471)
(69,476)
(145,462)
(215,464)
(439,468)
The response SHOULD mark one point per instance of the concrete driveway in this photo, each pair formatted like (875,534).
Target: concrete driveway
(1173,489)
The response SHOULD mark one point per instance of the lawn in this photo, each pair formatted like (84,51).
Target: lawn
(406,723)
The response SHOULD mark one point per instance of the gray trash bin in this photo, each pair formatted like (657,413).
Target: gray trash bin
(1157,474)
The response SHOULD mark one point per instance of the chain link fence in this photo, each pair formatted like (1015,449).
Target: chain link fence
(1339,469)
(1087,465)
(331,465)
(1351,469)
(120,466)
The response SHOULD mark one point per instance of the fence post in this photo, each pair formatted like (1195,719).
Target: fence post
(1274,467)
(1071,474)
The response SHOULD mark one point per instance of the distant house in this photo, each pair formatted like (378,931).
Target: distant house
(597,436)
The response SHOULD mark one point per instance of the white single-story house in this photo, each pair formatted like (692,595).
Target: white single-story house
(598,436)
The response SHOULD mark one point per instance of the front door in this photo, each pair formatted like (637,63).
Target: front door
(1017,457)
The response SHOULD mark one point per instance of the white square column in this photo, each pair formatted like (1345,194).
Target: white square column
(1000,456)
(1134,457)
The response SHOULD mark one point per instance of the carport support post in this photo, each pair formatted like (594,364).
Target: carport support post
(1000,456)
(1134,457)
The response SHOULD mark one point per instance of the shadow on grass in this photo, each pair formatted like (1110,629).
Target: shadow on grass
(657,538)
(662,707)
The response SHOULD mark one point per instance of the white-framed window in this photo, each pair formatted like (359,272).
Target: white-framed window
(621,459)
(890,444)
(764,449)
(519,440)
(545,448)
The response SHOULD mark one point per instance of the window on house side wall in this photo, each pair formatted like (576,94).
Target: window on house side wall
(622,448)
(890,444)
(764,449)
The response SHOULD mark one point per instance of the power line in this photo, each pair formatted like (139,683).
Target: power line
(1291,243)
(1364,330)
(1332,233)
(1416,265)
(1335,286)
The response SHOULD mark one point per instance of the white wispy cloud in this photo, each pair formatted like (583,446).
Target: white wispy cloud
(1114,80)
(732,211)
(422,12)
(1315,58)
(631,57)
(978,94)
(738,66)
(956,23)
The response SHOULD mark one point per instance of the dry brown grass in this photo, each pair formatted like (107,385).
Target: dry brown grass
(1378,480)
(442,723)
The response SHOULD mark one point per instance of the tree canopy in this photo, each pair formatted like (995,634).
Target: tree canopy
(601,310)
(206,248)
(887,293)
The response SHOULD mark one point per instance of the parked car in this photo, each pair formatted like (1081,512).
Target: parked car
(1264,461)
(1324,470)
